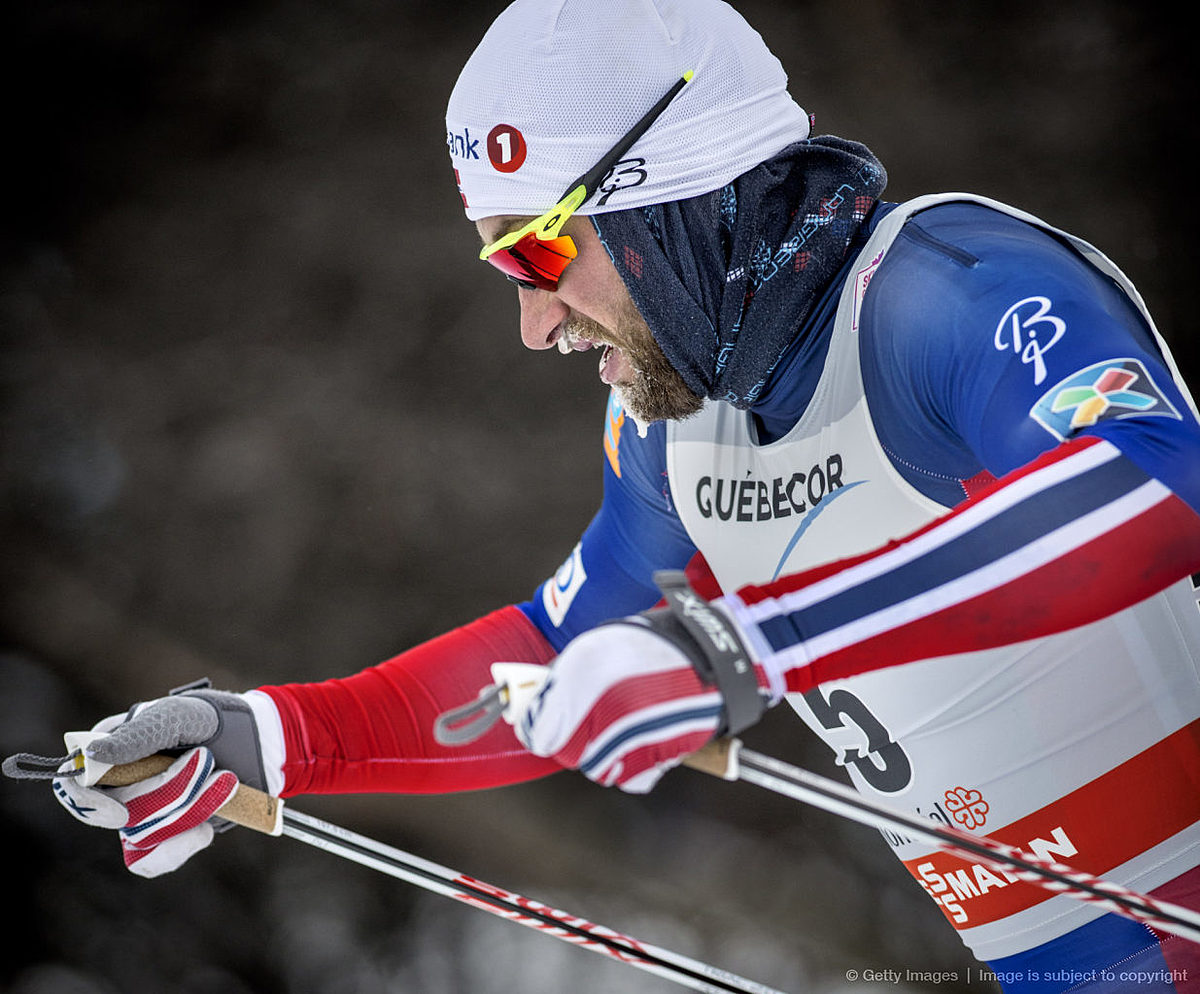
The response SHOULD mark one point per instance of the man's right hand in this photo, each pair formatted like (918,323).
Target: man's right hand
(167,818)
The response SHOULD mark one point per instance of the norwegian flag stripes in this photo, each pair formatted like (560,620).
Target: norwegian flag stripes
(187,794)
(622,704)
(1076,535)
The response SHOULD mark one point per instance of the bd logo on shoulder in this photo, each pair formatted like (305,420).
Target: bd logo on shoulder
(1117,388)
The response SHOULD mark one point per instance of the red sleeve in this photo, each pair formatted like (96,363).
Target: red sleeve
(373,732)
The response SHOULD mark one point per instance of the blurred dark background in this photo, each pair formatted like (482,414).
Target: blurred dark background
(265,418)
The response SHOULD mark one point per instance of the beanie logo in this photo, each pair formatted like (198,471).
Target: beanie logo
(624,175)
(506,148)
(462,146)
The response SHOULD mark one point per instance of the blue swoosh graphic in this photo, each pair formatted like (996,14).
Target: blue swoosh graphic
(808,520)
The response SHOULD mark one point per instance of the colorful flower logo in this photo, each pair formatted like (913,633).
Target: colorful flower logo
(1117,388)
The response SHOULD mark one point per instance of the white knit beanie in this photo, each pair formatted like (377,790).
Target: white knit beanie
(555,83)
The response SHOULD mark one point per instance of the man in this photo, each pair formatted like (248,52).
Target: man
(935,455)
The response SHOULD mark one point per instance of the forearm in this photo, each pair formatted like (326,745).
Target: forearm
(1075,536)
(373,732)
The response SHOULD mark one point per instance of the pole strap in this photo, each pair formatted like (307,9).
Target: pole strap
(27,766)
(711,642)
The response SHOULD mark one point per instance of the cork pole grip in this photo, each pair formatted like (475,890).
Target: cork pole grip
(260,811)
(718,758)
(247,806)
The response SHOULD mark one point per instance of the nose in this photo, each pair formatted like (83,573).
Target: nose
(542,315)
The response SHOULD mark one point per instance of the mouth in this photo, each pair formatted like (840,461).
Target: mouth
(614,366)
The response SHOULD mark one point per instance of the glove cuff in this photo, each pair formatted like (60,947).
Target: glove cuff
(235,744)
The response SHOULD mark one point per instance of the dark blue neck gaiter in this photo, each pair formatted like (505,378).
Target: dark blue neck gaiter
(725,279)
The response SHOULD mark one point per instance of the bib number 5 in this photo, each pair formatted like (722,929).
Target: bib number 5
(884,764)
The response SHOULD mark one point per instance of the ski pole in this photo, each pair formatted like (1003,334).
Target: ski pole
(260,811)
(515,908)
(517,684)
(730,760)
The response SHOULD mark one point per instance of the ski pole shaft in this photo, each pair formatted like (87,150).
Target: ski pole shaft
(517,683)
(261,812)
(732,761)
(515,908)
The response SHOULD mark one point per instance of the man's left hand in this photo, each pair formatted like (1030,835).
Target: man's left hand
(622,705)
(625,702)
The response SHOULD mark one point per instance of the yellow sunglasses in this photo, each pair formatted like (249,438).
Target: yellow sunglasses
(535,256)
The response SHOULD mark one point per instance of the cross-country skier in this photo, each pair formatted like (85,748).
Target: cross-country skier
(931,460)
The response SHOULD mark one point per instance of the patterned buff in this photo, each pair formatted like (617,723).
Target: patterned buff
(725,279)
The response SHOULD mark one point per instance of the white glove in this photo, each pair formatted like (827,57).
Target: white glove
(627,701)
(162,820)
(167,818)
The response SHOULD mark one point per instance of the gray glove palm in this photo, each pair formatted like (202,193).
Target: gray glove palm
(221,721)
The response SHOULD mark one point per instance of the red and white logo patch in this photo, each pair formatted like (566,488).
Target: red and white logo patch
(967,806)
(506,148)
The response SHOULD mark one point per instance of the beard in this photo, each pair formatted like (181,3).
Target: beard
(656,392)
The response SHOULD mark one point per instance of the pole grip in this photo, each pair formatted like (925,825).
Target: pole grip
(246,806)
(718,758)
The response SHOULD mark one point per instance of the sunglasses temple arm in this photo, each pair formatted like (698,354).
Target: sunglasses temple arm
(592,178)
(578,192)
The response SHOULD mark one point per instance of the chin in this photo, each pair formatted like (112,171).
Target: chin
(649,402)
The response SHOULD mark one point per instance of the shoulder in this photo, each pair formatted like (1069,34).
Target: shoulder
(955,270)
(979,253)
(962,250)
(935,332)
